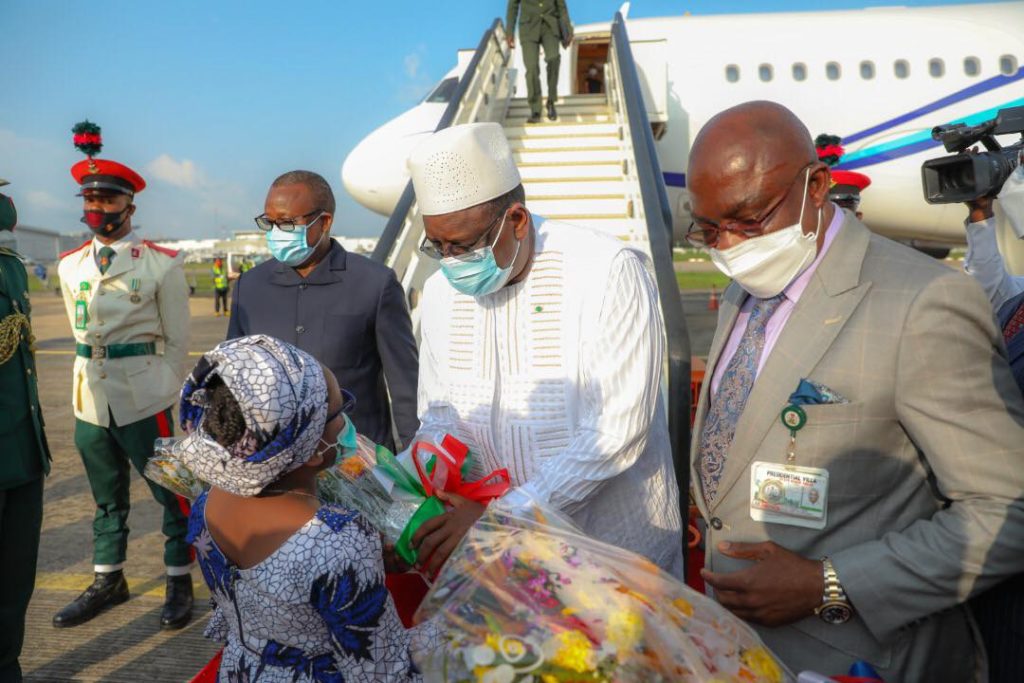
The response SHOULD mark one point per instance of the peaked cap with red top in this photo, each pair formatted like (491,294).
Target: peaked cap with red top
(845,184)
(101,174)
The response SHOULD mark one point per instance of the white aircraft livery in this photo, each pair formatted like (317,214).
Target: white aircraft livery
(879,78)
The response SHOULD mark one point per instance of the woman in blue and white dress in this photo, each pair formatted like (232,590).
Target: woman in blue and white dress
(298,586)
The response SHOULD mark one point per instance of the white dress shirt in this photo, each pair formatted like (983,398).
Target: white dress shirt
(985,264)
(558,379)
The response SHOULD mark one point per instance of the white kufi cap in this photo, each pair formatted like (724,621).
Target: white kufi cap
(462,166)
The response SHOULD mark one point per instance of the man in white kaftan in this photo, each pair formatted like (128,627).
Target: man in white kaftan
(549,366)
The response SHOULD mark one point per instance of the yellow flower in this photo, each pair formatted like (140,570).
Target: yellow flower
(625,628)
(573,651)
(513,649)
(491,641)
(683,606)
(762,664)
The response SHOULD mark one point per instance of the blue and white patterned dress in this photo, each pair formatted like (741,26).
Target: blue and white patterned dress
(315,610)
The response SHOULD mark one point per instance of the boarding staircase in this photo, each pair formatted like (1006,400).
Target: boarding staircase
(594,166)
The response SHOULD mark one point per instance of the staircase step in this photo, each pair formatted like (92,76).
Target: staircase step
(554,142)
(544,171)
(568,155)
(570,99)
(515,119)
(616,207)
(556,128)
(577,188)
(628,229)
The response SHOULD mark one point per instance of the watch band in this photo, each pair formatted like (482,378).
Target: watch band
(833,589)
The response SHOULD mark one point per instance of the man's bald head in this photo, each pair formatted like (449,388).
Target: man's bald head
(745,158)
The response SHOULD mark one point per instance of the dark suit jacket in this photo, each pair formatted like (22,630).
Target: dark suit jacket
(351,315)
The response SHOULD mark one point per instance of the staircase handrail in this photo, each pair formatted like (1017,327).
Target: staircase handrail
(396,222)
(658,214)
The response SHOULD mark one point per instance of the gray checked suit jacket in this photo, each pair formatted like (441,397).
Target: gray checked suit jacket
(926,461)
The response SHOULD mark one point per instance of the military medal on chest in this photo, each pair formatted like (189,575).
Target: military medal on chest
(82,306)
(136,283)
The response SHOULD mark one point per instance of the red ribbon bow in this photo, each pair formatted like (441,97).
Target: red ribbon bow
(448,464)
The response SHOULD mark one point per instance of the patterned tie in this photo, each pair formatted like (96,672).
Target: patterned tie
(106,255)
(728,402)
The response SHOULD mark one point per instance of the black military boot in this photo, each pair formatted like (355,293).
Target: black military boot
(177,608)
(552,114)
(107,589)
(534,118)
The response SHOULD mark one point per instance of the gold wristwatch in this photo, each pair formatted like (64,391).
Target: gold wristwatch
(835,607)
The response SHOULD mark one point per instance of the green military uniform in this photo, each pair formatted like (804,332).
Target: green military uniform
(24,461)
(538,25)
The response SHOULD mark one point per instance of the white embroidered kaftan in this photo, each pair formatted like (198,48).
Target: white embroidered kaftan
(557,378)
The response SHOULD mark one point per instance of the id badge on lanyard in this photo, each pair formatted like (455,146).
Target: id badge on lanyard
(788,493)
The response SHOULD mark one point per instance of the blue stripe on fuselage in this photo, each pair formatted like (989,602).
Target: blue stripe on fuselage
(970,91)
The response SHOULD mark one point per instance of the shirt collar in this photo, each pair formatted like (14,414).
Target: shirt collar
(796,287)
(129,240)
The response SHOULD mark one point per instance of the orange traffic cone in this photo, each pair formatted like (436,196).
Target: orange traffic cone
(713,299)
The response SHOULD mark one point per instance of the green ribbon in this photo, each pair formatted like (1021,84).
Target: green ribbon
(431,507)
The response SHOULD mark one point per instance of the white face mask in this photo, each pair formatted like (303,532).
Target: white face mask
(765,265)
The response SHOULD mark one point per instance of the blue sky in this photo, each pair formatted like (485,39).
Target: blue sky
(211,100)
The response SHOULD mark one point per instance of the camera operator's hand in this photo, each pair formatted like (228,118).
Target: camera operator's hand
(978,210)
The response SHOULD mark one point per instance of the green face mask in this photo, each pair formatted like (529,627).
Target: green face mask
(8,214)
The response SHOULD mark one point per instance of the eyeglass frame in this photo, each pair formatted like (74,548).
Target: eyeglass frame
(348,403)
(755,228)
(428,249)
(292,223)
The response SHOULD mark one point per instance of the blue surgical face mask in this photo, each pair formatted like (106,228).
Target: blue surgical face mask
(291,248)
(347,443)
(477,273)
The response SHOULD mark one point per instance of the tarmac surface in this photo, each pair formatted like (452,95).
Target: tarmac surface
(125,644)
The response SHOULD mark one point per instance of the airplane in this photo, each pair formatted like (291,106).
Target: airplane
(880,78)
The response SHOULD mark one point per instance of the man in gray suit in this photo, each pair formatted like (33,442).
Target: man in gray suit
(854,367)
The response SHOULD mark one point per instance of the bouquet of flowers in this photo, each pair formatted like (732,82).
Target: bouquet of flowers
(396,494)
(165,469)
(528,598)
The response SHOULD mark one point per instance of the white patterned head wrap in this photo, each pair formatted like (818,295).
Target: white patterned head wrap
(282,394)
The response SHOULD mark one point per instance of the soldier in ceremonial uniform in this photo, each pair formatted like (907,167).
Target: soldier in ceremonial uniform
(540,24)
(125,298)
(24,456)
(846,185)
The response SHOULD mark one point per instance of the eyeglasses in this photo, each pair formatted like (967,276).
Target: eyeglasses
(461,252)
(264,223)
(347,404)
(707,235)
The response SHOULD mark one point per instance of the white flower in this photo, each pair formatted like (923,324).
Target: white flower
(499,674)
(482,655)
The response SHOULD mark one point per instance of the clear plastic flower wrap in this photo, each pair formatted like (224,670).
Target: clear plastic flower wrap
(526,597)
(355,482)
(166,470)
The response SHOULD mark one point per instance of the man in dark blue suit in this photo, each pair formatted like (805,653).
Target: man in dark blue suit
(346,310)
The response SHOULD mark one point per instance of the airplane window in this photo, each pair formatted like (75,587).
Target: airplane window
(732,73)
(444,91)
(936,67)
(1008,65)
(799,72)
(901,68)
(832,71)
(764,72)
(972,67)
(867,70)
